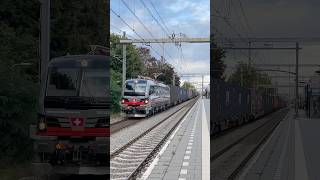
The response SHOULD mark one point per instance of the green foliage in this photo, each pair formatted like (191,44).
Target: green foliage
(135,67)
(18,104)
(167,73)
(116,78)
(188,85)
(248,76)
(139,62)
(217,66)
(77,24)
(74,26)
(19,31)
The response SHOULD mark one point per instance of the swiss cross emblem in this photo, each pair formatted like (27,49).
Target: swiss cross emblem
(77,123)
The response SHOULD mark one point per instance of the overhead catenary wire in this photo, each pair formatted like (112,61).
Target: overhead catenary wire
(229,24)
(156,20)
(163,22)
(142,37)
(145,27)
(163,29)
(133,30)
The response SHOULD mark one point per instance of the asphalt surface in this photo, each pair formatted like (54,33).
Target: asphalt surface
(182,158)
(310,135)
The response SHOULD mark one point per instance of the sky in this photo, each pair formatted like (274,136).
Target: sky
(189,17)
(270,18)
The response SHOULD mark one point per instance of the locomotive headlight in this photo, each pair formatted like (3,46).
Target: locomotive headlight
(42,126)
(146,101)
(41,123)
(122,101)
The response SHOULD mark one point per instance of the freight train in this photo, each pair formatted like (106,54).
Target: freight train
(312,98)
(143,97)
(232,105)
(72,130)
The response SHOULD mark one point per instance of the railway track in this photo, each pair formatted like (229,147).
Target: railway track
(117,126)
(129,161)
(126,122)
(229,159)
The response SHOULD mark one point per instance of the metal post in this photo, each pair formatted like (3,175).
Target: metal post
(241,76)
(289,85)
(124,66)
(249,56)
(44,38)
(202,88)
(173,79)
(297,79)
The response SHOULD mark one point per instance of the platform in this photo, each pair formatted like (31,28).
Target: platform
(181,158)
(291,152)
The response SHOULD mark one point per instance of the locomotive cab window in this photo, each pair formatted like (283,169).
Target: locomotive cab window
(151,91)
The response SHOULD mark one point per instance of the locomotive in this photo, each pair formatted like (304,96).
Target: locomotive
(74,115)
(233,105)
(143,97)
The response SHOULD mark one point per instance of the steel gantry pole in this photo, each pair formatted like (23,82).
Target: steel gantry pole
(297,79)
(249,56)
(202,88)
(44,38)
(124,66)
(173,79)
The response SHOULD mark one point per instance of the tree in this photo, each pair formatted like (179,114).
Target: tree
(188,85)
(139,62)
(167,72)
(217,66)
(74,26)
(77,24)
(135,67)
(248,76)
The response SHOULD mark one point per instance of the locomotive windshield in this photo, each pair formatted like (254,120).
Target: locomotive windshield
(66,82)
(63,81)
(135,88)
(94,83)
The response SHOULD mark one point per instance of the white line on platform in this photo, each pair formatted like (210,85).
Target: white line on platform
(186,157)
(185,164)
(205,146)
(184,171)
(300,170)
(147,173)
